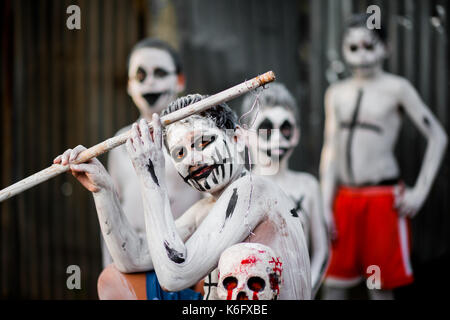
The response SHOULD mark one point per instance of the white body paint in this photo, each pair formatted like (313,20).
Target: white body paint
(190,261)
(375,135)
(183,252)
(369,159)
(181,196)
(301,187)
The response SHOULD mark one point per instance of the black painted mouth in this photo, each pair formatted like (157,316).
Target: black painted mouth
(202,172)
(280,155)
(151,98)
(363,66)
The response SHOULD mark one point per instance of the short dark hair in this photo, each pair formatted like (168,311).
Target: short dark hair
(222,115)
(275,94)
(360,21)
(158,44)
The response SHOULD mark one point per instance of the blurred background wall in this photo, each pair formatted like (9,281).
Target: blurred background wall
(61,88)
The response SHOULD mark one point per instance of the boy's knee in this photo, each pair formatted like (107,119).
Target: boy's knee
(114,285)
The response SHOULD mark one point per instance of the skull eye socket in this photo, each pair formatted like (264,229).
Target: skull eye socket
(353,48)
(230,283)
(141,74)
(286,130)
(368,46)
(265,129)
(178,154)
(202,142)
(160,73)
(256,284)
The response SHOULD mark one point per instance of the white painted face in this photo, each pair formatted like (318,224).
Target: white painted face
(249,271)
(153,81)
(362,49)
(205,156)
(278,134)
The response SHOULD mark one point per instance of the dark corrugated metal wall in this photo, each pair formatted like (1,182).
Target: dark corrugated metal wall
(60,88)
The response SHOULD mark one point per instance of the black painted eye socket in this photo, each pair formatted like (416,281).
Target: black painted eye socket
(178,154)
(229,283)
(160,73)
(202,142)
(369,46)
(256,284)
(286,129)
(265,128)
(141,74)
(353,48)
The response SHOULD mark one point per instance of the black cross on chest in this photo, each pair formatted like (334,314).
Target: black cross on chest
(209,284)
(352,126)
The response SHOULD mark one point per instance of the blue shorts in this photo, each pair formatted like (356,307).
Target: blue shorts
(154,291)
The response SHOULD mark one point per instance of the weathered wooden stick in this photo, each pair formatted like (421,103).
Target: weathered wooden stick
(116,141)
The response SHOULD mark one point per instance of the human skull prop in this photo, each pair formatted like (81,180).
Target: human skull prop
(249,271)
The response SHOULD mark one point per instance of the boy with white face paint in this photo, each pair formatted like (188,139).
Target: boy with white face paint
(278,133)
(155,78)
(206,150)
(359,172)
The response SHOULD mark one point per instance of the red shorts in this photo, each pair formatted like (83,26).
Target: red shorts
(369,232)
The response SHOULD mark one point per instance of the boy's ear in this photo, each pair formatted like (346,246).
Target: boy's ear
(239,137)
(128,87)
(181,82)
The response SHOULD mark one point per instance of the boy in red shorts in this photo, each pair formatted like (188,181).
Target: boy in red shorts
(367,207)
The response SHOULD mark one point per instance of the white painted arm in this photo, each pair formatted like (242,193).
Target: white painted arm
(411,200)
(128,251)
(328,166)
(319,240)
(180,265)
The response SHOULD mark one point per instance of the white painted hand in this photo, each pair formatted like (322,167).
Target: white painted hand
(407,201)
(145,151)
(92,174)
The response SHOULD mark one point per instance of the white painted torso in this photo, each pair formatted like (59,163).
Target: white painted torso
(302,188)
(372,146)
(282,232)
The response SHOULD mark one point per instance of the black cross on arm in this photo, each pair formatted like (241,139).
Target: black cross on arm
(352,126)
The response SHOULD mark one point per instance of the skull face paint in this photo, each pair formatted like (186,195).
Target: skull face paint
(277,133)
(153,81)
(363,49)
(249,271)
(205,156)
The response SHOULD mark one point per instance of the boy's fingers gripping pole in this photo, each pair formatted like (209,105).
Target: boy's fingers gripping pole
(116,141)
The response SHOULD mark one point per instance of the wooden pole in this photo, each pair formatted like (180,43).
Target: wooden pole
(116,141)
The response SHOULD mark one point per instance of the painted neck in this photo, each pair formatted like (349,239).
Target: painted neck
(367,73)
(264,170)
(234,177)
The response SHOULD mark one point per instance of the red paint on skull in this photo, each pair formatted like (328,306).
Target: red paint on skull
(249,260)
(229,294)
